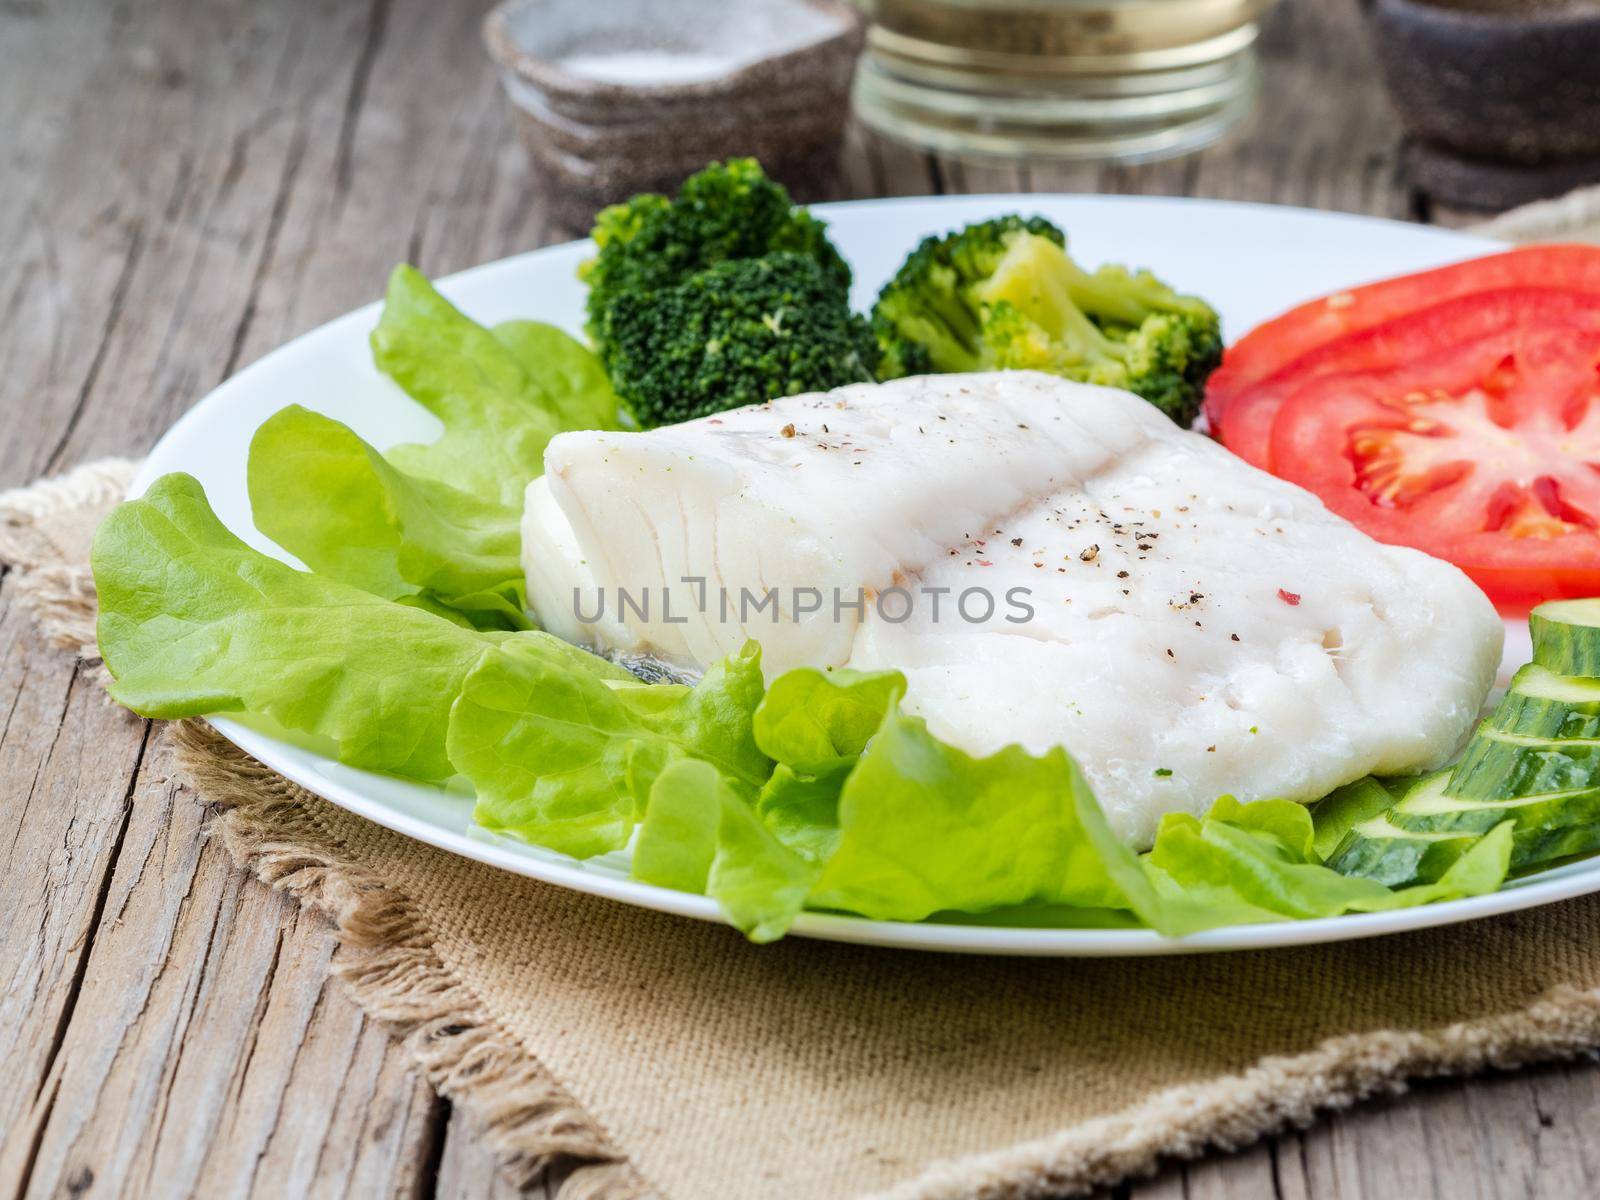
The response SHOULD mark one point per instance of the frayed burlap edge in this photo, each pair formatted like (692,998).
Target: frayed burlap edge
(45,531)
(387,960)
(1573,217)
(1277,1093)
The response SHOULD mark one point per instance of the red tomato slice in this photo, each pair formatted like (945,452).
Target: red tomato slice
(1246,426)
(1273,345)
(1485,453)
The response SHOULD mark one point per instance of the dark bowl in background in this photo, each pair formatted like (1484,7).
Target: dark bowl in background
(1500,100)
(594,142)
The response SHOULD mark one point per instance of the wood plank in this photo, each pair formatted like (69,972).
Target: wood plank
(1066,177)
(856,169)
(894,169)
(66,759)
(1249,1175)
(1506,1134)
(959,177)
(256,87)
(467,1169)
(209,1053)
(162,1082)
(69,241)
(422,174)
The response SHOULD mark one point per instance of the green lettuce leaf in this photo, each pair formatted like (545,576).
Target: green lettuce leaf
(677,841)
(700,834)
(330,499)
(193,621)
(866,812)
(924,827)
(814,725)
(817,722)
(498,417)
(1257,862)
(567,759)
(574,383)
(435,526)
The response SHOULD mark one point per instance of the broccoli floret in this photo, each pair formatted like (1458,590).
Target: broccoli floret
(1166,358)
(1012,341)
(898,356)
(1005,295)
(925,317)
(742,331)
(727,211)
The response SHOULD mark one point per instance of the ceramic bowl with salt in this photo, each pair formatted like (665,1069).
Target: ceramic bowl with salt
(632,95)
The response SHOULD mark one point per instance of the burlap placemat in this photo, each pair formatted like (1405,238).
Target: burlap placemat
(680,1062)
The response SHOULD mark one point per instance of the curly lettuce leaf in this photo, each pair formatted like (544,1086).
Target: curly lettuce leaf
(814,725)
(434,526)
(900,826)
(817,722)
(193,621)
(893,823)
(924,827)
(337,504)
(498,415)
(866,812)
(700,834)
(677,840)
(567,759)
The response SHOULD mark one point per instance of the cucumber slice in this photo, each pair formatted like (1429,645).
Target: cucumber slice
(1566,636)
(1418,839)
(1443,813)
(1506,766)
(1544,704)
(1535,762)
(1381,849)
(1336,814)
(1383,852)
(1532,848)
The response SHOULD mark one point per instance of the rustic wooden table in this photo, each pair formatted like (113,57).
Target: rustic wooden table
(185,185)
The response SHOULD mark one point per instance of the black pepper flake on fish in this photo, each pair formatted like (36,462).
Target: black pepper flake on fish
(641,509)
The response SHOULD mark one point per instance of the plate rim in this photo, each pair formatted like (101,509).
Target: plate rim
(507,854)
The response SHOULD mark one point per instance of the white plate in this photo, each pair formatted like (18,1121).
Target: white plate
(1250,260)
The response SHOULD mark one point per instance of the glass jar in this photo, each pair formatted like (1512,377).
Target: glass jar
(1073,80)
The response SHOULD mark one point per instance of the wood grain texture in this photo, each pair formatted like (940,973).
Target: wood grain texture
(189,183)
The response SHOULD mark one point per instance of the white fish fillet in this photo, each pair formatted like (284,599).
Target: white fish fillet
(1198,627)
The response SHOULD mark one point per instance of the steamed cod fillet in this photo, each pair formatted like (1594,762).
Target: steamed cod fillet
(840,491)
(1186,625)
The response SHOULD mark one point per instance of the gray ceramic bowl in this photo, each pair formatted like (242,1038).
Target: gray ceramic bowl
(623,96)
(1501,98)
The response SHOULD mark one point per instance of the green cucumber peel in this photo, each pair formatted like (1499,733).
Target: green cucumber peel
(1566,636)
